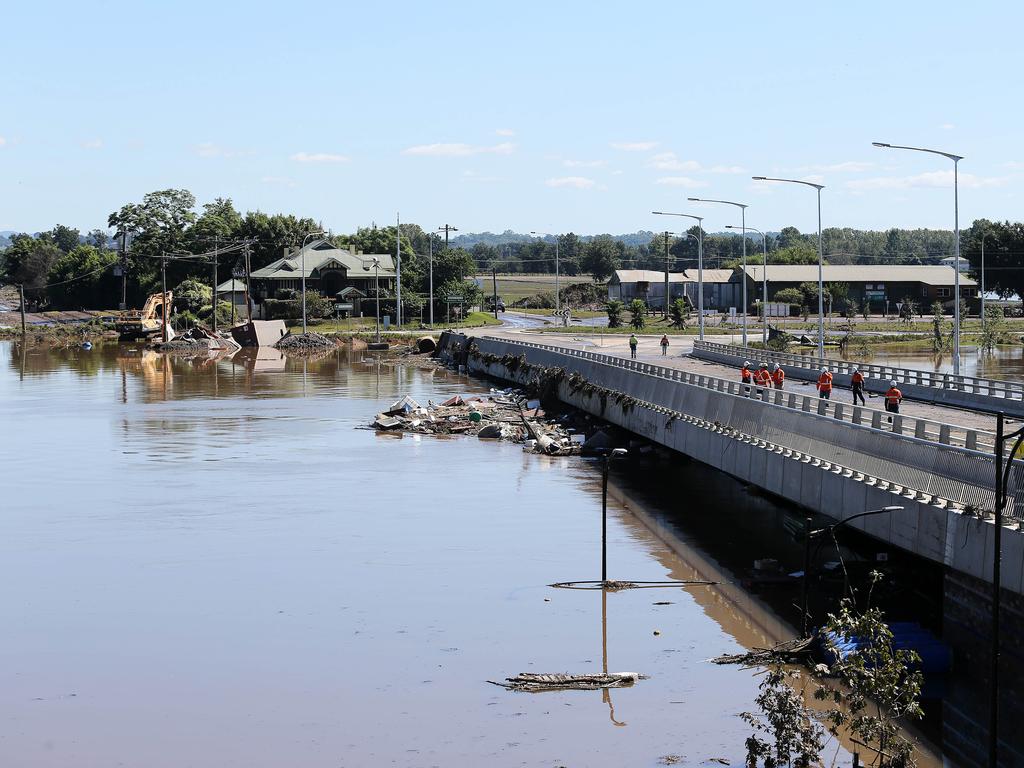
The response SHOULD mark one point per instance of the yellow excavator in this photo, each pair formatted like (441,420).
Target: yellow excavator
(135,324)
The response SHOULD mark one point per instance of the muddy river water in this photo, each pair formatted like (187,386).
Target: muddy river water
(211,564)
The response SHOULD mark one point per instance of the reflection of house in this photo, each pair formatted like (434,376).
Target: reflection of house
(649,285)
(328,271)
(878,283)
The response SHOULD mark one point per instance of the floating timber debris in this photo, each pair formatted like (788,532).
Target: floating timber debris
(502,415)
(788,652)
(532,682)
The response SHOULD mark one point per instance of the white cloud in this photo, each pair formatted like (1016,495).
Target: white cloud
(575,182)
(278,180)
(584,163)
(3,141)
(209,149)
(92,144)
(319,157)
(617,173)
(932,179)
(849,166)
(1013,165)
(727,169)
(505,132)
(667,161)
(459,150)
(947,126)
(474,176)
(634,146)
(680,181)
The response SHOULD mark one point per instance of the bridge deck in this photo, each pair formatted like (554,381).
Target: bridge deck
(678,357)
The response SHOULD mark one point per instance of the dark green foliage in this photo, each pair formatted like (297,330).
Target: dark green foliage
(638,314)
(614,309)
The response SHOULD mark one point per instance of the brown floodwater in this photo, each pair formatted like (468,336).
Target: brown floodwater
(211,564)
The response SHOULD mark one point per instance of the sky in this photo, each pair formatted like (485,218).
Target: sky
(546,116)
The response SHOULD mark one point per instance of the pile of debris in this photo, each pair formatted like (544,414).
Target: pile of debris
(303,342)
(534,682)
(502,415)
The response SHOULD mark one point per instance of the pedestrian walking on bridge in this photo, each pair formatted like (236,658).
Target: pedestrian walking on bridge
(745,372)
(825,384)
(763,378)
(633,341)
(664,345)
(857,382)
(778,376)
(893,398)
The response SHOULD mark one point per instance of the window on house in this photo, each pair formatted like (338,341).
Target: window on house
(942,293)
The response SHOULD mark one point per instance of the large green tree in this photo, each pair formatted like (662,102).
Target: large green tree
(1004,248)
(27,261)
(83,278)
(601,257)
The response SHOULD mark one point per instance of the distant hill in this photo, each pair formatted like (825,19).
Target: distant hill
(641,237)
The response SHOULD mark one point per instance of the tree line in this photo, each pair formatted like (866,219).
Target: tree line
(62,268)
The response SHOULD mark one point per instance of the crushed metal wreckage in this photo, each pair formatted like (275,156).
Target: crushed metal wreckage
(533,682)
(501,415)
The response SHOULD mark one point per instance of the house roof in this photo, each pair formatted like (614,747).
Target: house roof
(929,274)
(350,292)
(686,276)
(320,254)
(231,285)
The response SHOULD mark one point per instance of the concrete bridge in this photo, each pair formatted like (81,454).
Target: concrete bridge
(825,456)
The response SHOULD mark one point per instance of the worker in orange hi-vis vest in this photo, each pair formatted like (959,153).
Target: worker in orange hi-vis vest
(745,373)
(893,398)
(778,376)
(825,384)
(857,383)
(762,378)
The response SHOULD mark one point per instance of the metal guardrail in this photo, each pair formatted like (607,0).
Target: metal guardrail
(924,429)
(1007,390)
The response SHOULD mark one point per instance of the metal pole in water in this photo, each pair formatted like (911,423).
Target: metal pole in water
(805,581)
(604,519)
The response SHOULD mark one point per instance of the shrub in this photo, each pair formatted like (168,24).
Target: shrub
(638,312)
(614,310)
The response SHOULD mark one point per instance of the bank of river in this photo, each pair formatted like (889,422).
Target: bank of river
(210,564)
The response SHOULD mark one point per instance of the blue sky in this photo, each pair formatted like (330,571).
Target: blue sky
(580,116)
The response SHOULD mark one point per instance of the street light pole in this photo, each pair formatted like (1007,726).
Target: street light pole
(612,454)
(376,287)
(983,236)
(743,221)
(558,298)
(956,239)
(821,260)
(809,535)
(700,266)
(764,280)
(302,269)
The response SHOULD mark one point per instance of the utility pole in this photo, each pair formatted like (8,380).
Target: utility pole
(398,269)
(494,288)
(446,229)
(430,241)
(248,307)
(667,233)
(124,270)
(21,292)
(163,285)
(215,301)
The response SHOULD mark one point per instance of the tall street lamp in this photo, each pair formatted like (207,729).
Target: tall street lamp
(743,222)
(821,260)
(700,266)
(956,240)
(764,278)
(558,299)
(302,269)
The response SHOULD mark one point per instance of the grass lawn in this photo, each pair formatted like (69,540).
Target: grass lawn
(518,286)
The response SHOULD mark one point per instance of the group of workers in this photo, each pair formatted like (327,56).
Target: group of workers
(762,377)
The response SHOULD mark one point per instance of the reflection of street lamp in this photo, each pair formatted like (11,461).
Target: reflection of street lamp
(302,269)
(821,260)
(809,535)
(375,263)
(558,300)
(612,454)
(700,266)
(956,240)
(606,694)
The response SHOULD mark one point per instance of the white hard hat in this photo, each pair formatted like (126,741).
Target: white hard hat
(824,370)
(892,383)
(764,365)
(856,369)
(746,363)
(776,366)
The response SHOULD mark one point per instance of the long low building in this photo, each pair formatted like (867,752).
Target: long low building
(649,286)
(877,283)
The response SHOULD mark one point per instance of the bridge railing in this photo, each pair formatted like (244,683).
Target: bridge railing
(924,429)
(1007,390)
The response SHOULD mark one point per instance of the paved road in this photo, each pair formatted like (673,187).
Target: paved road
(679,357)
